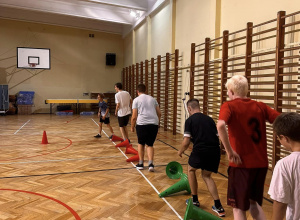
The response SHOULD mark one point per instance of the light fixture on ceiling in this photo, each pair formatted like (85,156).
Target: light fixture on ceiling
(135,13)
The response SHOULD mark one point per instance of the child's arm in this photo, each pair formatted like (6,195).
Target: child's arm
(184,145)
(117,108)
(134,118)
(279,210)
(99,111)
(232,155)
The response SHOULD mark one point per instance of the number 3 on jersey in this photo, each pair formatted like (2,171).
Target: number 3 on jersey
(255,131)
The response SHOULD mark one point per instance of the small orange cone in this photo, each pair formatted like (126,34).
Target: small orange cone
(123,144)
(44,140)
(134,158)
(116,138)
(130,150)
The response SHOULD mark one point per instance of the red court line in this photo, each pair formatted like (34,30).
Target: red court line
(48,197)
(72,119)
(43,153)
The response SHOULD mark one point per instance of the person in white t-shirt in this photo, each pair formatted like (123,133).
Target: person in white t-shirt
(145,115)
(123,109)
(285,184)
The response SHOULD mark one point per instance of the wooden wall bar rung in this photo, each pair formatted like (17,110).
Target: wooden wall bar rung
(199,50)
(262,83)
(236,32)
(291,57)
(262,68)
(292,31)
(264,38)
(237,64)
(291,24)
(236,45)
(267,22)
(234,58)
(262,75)
(289,74)
(289,65)
(263,61)
(289,82)
(262,53)
(264,31)
(289,90)
(292,14)
(236,39)
(235,70)
(289,49)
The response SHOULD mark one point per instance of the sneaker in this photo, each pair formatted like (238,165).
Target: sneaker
(97,136)
(139,166)
(151,167)
(220,211)
(194,203)
(111,137)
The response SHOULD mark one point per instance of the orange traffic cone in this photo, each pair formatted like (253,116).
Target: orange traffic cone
(130,150)
(44,140)
(123,144)
(116,138)
(134,158)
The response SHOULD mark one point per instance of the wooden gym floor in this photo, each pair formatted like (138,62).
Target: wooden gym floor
(77,176)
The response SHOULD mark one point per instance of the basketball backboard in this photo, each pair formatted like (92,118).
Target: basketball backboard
(33,58)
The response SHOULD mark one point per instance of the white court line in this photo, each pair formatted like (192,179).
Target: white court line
(22,127)
(145,178)
(46,161)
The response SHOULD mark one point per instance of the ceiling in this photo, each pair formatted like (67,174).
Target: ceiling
(112,16)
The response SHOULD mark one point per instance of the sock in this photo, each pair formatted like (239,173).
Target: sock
(141,162)
(217,203)
(150,161)
(195,198)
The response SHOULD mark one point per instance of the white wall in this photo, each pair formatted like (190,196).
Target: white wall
(161,31)
(141,35)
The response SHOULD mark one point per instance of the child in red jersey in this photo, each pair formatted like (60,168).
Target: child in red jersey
(246,148)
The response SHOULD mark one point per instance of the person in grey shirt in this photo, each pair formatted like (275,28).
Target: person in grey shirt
(145,116)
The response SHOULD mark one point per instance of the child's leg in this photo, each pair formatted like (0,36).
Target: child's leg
(193,180)
(150,152)
(256,211)
(210,184)
(110,128)
(239,214)
(100,127)
(141,150)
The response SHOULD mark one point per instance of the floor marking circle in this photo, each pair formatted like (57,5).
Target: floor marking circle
(48,197)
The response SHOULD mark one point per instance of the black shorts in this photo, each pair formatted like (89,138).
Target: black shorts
(106,120)
(245,184)
(146,134)
(123,121)
(208,160)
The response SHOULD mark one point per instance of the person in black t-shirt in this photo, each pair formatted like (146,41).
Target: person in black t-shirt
(201,130)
